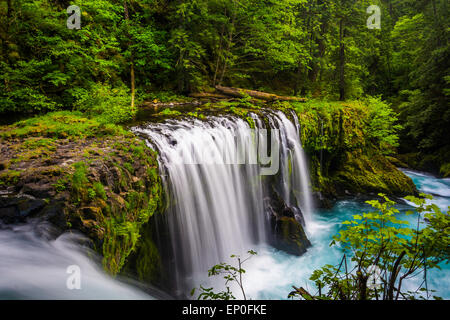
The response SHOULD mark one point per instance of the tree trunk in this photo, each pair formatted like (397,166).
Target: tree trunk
(230,40)
(341,62)
(320,53)
(219,55)
(393,278)
(132,77)
(8,22)
(133,90)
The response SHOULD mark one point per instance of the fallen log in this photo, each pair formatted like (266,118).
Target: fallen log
(156,105)
(207,95)
(240,93)
(297,99)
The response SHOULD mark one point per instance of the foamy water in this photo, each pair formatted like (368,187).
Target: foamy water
(33,266)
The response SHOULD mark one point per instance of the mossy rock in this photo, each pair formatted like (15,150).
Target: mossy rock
(290,236)
(363,174)
(445,170)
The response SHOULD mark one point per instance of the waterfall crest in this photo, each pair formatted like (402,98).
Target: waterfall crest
(217,208)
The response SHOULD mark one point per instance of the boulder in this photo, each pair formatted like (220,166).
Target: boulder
(290,236)
(287,224)
(17,209)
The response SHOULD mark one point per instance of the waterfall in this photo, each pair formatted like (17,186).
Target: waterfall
(217,205)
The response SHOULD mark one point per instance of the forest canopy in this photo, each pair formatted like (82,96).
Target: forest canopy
(157,49)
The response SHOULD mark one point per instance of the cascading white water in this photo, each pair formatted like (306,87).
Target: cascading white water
(217,208)
(35,266)
(295,169)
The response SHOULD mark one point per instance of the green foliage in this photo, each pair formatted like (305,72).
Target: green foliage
(383,125)
(91,194)
(110,105)
(368,121)
(79,183)
(99,190)
(421,71)
(382,251)
(231,274)
(170,112)
(61,124)
(321,49)
(9,177)
(60,185)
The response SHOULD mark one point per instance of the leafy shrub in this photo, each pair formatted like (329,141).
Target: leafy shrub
(18,94)
(381,252)
(382,124)
(111,105)
(231,274)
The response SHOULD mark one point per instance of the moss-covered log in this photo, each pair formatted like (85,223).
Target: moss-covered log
(241,93)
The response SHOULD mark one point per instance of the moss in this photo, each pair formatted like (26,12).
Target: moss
(99,190)
(61,125)
(119,241)
(251,122)
(61,184)
(342,155)
(170,112)
(9,177)
(129,167)
(123,232)
(197,115)
(91,193)
(116,216)
(138,150)
(79,182)
(34,148)
(445,170)
(148,261)
(111,216)
(290,236)
(363,174)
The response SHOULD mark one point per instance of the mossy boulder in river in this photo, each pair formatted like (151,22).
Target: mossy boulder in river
(370,174)
(346,155)
(290,236)
(287,225)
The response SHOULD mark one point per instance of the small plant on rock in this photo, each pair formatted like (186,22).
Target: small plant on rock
(230,274)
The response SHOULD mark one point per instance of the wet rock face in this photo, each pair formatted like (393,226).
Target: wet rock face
(287,226)
(20,208)
(290,236)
